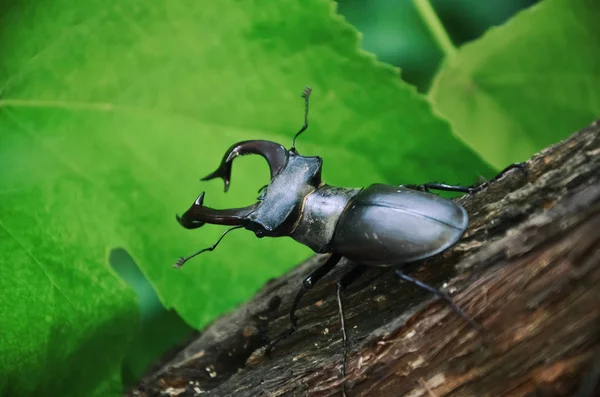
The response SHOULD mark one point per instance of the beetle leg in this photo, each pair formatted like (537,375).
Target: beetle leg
(465,189)
(182,260)
(308,283)
(344,335)
(481,186)
(275,154)
(342,283)
(443,296)
(352,275)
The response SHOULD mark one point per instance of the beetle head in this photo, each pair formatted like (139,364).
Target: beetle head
(279,205)
(197,215)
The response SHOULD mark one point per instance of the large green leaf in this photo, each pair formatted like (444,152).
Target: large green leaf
(526,84)
(109,113)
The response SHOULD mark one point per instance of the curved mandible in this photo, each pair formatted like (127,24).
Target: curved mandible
(197,215)
(275,154)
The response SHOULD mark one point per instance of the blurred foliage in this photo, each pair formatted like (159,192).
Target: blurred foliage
(510,104)
(395,32)
(111,111)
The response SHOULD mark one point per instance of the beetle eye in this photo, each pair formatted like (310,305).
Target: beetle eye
(262,191)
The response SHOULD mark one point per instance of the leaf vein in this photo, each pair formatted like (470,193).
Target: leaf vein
(37,262)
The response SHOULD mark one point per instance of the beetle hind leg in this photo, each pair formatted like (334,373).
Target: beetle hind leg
(443,296)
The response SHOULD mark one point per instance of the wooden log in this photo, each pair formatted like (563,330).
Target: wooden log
(527,269)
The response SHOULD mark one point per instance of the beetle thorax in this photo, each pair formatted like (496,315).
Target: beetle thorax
(319,216)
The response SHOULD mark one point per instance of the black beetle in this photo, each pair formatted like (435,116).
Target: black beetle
(381,225)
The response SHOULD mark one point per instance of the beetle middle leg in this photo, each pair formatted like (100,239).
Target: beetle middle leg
(308,283)
(443,296)
(342,283)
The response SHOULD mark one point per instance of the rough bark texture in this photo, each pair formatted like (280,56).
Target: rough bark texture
(527,269)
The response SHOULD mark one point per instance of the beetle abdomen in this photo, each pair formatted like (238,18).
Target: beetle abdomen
(386,225)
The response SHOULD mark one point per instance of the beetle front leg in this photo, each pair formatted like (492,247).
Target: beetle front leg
(308,283)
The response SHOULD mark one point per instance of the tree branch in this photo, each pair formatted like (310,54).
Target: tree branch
(528,270)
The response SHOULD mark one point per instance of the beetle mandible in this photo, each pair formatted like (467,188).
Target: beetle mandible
(381,225)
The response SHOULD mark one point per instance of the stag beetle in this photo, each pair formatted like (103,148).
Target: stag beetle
(381,225)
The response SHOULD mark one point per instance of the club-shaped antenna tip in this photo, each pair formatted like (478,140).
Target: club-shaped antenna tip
(179,263)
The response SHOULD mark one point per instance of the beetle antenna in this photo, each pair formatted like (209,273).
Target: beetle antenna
(305,95)
(181,261)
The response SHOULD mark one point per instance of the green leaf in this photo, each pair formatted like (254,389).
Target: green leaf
(526,84)
(110,112)
(66,319)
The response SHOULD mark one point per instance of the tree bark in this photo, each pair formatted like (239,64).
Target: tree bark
(527,270)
